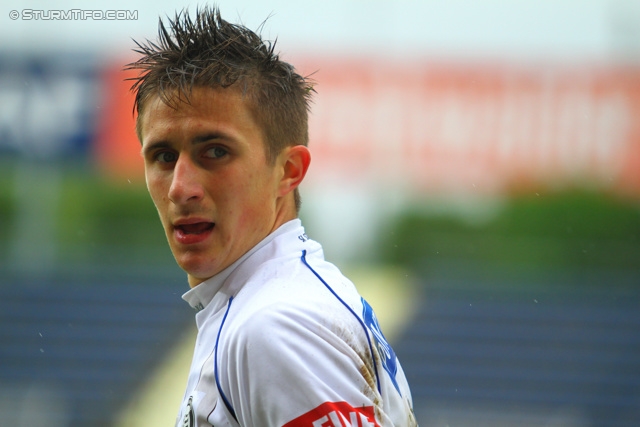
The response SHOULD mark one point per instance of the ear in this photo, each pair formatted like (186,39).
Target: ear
(295,163)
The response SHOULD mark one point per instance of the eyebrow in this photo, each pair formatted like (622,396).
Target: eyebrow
(207,137)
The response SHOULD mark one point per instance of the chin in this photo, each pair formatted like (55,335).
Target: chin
(196,267)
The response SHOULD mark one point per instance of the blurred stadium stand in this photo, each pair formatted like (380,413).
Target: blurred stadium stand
(548,352)
(74,354)
(478,353)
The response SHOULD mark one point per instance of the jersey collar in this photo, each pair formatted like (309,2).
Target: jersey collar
(201,295)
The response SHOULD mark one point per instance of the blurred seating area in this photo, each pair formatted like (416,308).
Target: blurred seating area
(75,353)
(548,351)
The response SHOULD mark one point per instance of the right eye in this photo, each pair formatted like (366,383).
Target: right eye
(166,157)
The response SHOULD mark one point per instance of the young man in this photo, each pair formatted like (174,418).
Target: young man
(283,338)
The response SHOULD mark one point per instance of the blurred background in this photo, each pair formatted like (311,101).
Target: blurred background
(476,172)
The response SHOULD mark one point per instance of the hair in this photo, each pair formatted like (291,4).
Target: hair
(211,52)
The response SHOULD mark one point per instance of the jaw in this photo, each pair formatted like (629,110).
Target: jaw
(199,265)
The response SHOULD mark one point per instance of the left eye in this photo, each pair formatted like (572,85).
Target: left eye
(216,152)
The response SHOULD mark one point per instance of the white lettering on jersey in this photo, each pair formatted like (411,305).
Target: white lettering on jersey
(339,420)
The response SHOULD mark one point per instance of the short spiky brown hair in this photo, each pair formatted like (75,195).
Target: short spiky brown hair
(211,52)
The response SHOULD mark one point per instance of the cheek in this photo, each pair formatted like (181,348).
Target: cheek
(258,205)
(248,196)
(154,193)
(245,204)
(157,191)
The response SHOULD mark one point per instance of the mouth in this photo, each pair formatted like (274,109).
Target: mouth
(193,232)
(196,228)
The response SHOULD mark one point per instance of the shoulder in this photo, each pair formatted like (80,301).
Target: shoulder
(291,304)
(287,307)
(300,282)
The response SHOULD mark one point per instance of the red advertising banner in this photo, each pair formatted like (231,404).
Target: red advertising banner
(453,126)
(117,149)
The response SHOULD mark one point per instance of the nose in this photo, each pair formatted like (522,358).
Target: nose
(185,183)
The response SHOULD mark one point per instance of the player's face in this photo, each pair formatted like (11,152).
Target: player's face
(208,175)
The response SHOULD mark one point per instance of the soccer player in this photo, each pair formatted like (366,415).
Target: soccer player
(284,339)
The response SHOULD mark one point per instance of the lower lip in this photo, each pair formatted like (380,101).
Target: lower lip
(191,239)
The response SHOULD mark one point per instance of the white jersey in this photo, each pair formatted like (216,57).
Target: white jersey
(284,339)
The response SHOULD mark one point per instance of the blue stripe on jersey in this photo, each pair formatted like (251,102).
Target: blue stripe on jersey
(215,365)
(366,333)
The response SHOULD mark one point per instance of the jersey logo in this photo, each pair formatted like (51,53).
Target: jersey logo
(336,414)
(389,359)
(188,420)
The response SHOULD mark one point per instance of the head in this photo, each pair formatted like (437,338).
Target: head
(223,126)
(211,52)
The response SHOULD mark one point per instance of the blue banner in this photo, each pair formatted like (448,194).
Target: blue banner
(48,105)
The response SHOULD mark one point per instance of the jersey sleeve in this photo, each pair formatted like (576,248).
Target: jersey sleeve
(294,364)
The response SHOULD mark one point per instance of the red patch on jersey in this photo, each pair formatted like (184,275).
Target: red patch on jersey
(336,414)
